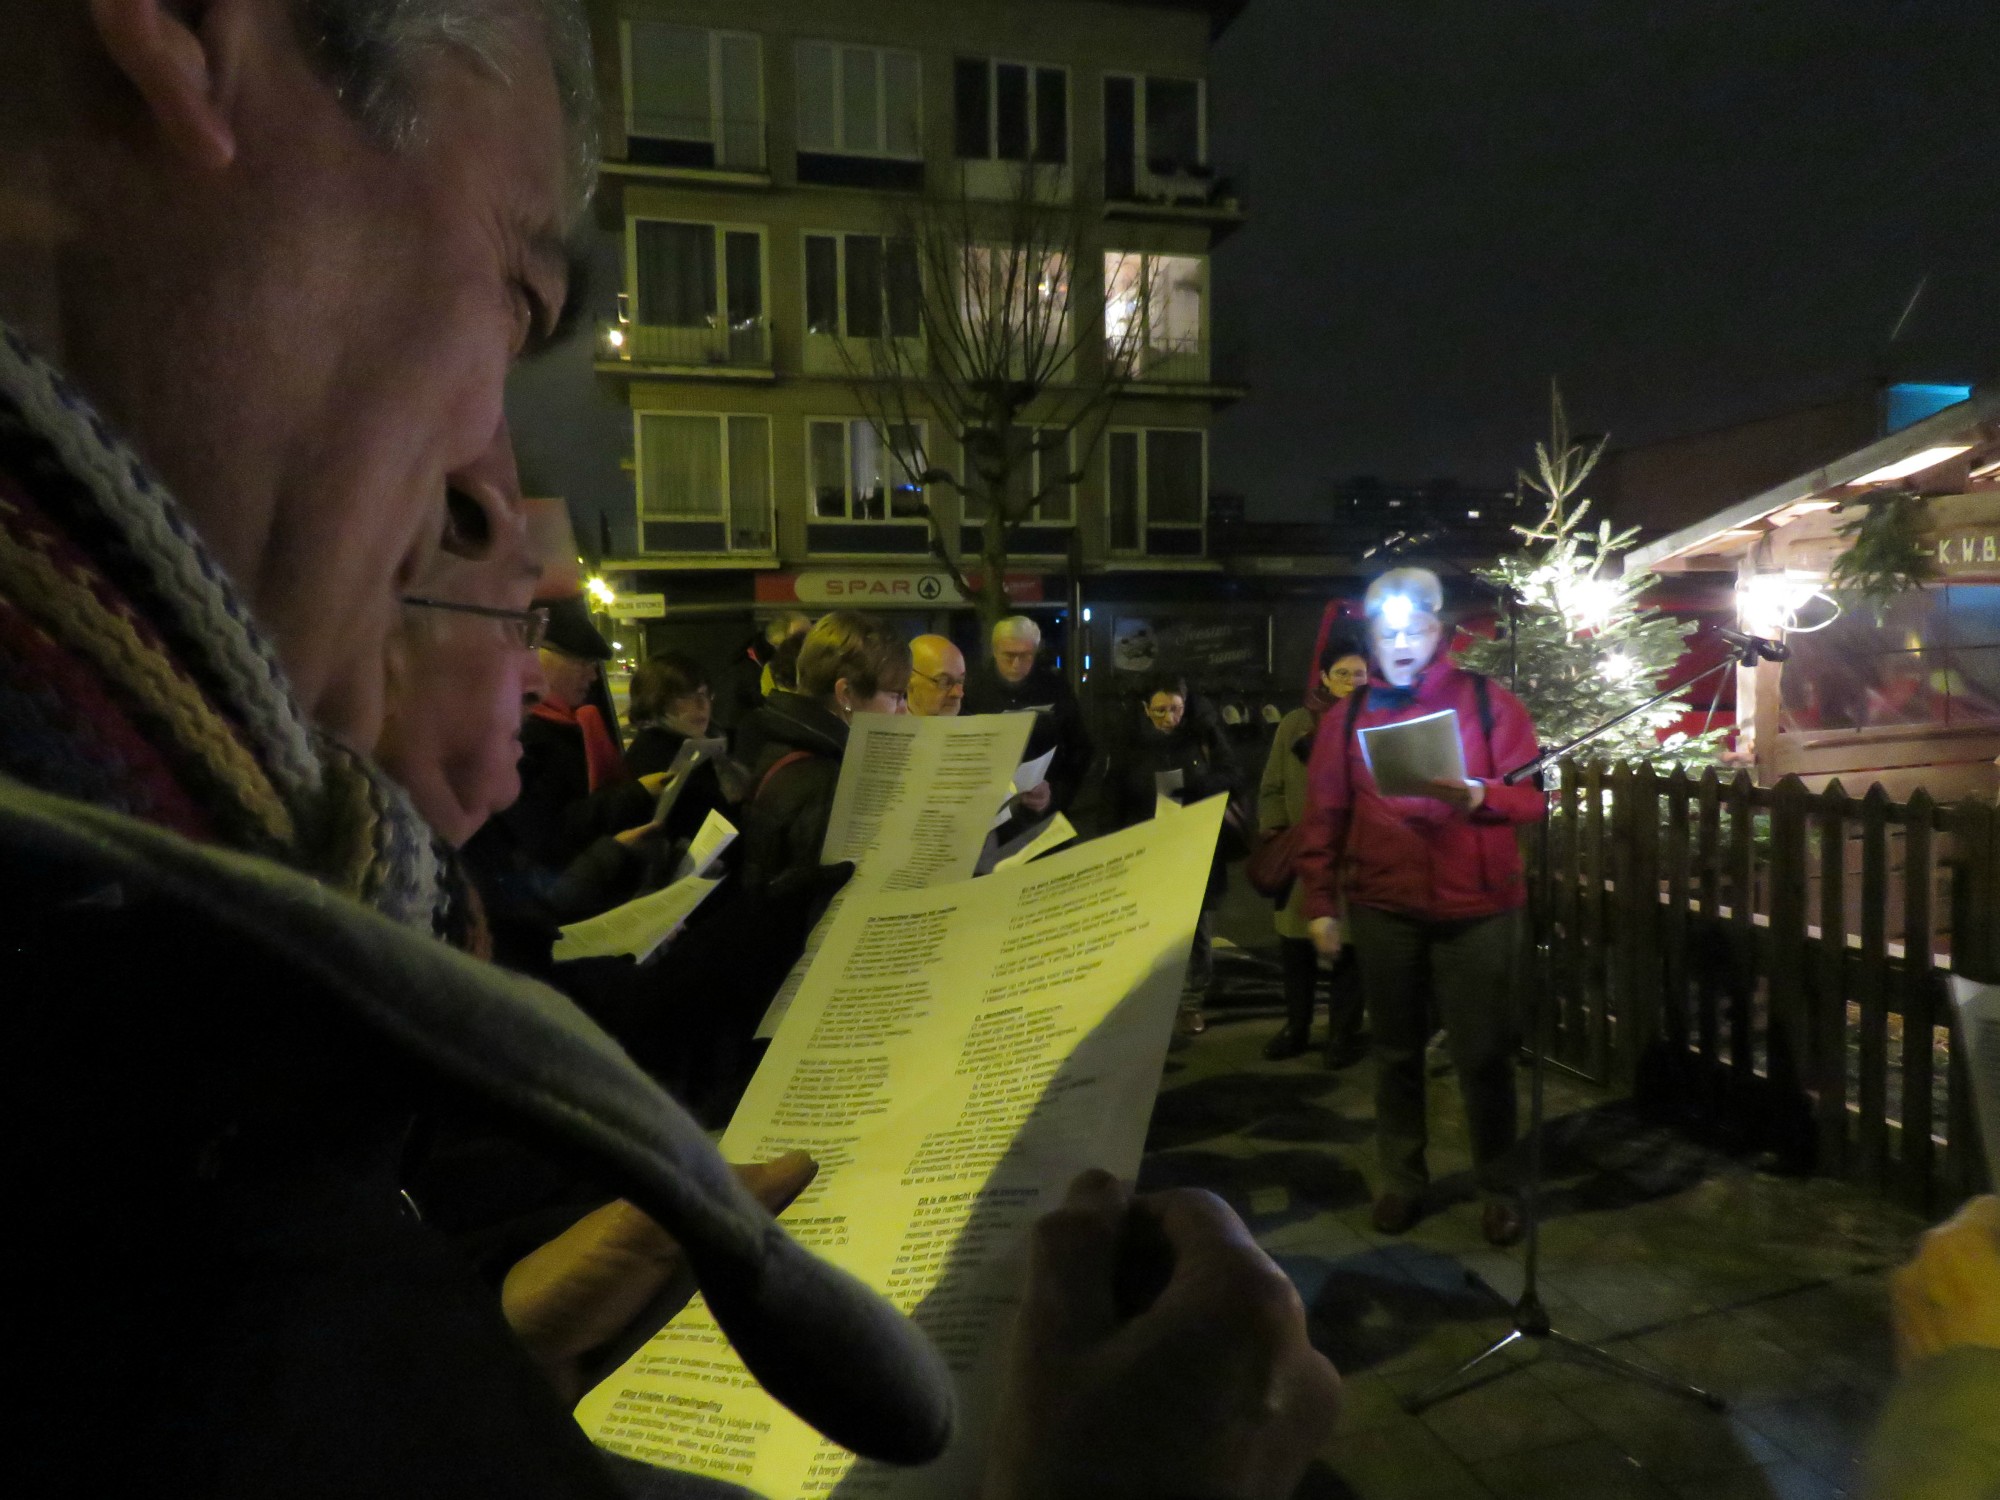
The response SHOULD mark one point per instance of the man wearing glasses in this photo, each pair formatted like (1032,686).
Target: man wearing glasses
(937,678)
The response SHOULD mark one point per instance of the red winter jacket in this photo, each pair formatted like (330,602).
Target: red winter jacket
(1415,855)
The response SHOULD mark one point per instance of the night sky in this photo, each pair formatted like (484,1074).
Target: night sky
(1691,211)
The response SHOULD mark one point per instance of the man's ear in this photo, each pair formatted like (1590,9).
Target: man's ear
(182,57)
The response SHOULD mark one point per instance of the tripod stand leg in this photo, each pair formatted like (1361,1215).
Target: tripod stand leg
(1455,1382)
(1634,1371)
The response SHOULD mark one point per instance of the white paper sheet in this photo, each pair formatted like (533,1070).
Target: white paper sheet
(1405,758)
(691,754)
(1032,773)
(916,796)
(1979,1026)
(954,1058)
(637,928)
(716,834)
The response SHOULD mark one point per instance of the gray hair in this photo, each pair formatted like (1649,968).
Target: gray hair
(1018,628)
(371,51)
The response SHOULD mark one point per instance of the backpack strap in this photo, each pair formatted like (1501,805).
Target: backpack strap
(789,758)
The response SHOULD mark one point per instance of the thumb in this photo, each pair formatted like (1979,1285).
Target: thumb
(1072,1261)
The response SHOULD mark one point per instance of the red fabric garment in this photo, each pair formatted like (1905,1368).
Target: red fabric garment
(601,756)
(1414,855)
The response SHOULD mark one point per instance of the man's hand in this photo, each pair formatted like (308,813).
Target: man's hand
(1325,933)
(1465,796)
(1037,797)
(655,780)
(1211,1389)
(632,837)
(1949,1292)
(578,1292)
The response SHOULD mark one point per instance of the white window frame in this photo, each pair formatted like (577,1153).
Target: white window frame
(848,518)
(1142,126)
(719,314)
(727,518)
(1034,116)
(882,55)
(1145,521)
(1145,352)
(716,115)
(1035,483)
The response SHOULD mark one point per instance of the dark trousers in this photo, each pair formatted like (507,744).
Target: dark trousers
(1299,961)
(1468,966)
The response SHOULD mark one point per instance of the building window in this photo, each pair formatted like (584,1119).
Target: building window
(858,475)
(713,469)
(1008,111)
(1153,314)
(862,286)
(1155,137)
(694,97)
(1041,466)
(698,293)
(1156,479)
(860,116)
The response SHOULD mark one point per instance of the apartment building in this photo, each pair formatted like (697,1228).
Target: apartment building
(759,157)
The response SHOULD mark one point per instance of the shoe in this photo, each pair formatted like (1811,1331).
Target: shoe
(1346,1054)
(1191,1021)
(1396,1212)
(1286,1044)
(1501,1223)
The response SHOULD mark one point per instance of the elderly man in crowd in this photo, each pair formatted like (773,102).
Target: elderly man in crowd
(283,253)
(937,678)
(1016,682)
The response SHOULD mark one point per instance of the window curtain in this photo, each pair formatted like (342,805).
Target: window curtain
(681,467)
(670,93)
(676,275)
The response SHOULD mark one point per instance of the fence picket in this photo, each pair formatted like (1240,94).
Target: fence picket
(1674,920)
(1918,999)
(1872,989)
(1592,1058)
(1575,990)
(1742,927)
(1974,896)
(1787,1038)
(1709,854)
(1830,999)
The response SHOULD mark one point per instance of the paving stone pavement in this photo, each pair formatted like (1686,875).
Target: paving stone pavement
(1769,1291)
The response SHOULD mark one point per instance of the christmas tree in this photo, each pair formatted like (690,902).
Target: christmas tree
(1586,648)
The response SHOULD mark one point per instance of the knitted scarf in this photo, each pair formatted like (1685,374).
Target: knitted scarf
(132,675)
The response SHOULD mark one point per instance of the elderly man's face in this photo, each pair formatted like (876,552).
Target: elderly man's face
(937,678)
(1402,652)
(1013,658)
(452,733)
(320,358)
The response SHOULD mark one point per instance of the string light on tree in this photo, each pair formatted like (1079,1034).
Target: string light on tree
(1587,647)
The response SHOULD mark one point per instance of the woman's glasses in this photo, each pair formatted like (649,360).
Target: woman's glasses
(530,626)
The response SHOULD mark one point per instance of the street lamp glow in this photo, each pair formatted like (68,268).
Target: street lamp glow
(615,338)
(601,593)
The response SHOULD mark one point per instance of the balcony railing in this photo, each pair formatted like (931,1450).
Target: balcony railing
(1183,184)
(744,344)
(697,143)
(1171,361)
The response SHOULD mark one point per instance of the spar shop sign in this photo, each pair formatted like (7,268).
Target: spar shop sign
(847,588)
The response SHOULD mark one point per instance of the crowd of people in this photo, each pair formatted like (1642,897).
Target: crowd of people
(300,775)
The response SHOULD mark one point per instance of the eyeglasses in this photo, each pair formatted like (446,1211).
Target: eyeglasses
(530,626)
(945,681)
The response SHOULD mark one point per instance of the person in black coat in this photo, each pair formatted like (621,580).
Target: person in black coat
(1180,739)
(670,703)
(850,663)
(1013,681)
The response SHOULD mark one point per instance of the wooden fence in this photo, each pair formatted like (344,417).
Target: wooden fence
(1780,944)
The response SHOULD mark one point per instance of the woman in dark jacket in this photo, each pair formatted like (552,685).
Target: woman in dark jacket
(671,703)
(1177,750)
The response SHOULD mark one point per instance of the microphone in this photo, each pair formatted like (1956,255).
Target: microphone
(1753,648)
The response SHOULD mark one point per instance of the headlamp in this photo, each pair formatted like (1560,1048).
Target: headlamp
(1396,611)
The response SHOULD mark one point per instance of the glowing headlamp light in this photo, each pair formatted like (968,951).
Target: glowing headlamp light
(1396,611)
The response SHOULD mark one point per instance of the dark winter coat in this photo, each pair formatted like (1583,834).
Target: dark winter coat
(1417,856)
(1058,722)
(784,824)
(1197,748)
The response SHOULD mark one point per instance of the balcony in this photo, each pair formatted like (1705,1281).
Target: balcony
(704,149)
(1173,190)
(1182,368)
(731,350)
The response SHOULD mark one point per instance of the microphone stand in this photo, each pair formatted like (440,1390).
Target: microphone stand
(1530,1316)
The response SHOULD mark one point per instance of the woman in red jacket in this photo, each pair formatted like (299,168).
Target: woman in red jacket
(1433,889)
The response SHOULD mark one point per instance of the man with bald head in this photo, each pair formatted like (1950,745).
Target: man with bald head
(937,678)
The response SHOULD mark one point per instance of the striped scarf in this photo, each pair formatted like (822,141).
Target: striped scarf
(132,675)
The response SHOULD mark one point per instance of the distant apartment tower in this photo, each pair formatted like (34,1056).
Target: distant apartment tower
(756,151)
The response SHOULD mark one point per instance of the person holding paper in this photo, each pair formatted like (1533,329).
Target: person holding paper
(1433,889)
(1015,681)
(672,703)
(850,663)
(1281,806)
